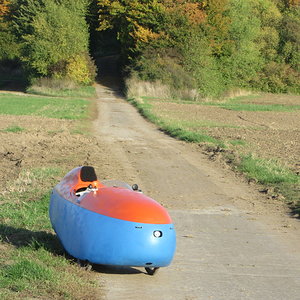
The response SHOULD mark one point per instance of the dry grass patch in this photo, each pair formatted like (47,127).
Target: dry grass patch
(137,89)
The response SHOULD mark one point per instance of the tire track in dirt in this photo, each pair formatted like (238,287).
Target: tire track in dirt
(227,248)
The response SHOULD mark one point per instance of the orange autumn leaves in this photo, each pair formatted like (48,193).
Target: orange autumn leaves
(4,7)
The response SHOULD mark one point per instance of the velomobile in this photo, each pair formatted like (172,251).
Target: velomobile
(110,223)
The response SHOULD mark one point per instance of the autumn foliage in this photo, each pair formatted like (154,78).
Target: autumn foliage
(205,45)
(4,7)
(52,38)
(212,45)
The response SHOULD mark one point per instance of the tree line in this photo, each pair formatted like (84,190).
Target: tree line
(208,45)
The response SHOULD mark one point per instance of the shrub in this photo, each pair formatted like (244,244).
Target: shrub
(81,69)
(201,65)
(279,78)
(161,65)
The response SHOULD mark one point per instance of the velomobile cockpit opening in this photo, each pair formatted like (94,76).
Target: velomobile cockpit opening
(87,181)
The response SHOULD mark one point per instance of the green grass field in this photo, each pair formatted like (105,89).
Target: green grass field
(50,107)
(257,107)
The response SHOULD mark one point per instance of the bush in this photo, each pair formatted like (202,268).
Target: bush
(81,69)
(202,66)
(161,65)
(279,78)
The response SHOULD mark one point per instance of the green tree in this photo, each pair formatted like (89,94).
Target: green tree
(54,37)
(200,62)
(290,37)
(270,19)
(212,45)
(242,61)
(9,48)
(217,26)
(137,22)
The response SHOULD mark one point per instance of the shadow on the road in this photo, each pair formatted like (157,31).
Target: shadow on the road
(295,210)
(116,270)
(109,74)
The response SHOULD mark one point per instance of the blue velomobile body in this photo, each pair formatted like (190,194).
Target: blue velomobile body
(110,225)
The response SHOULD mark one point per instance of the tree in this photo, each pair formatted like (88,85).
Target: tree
(290,37)
(211,44)
(4,8)
(137,22)
(54,37)
(200,62)
(270,19)
(217,26)
(240,64)
(9,48)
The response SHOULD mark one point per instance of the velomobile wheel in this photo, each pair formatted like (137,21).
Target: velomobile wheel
(151,271)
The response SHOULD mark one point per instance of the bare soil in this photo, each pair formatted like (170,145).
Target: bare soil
(267,134)
(46,142)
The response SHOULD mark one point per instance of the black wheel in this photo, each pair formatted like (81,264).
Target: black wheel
(151,271)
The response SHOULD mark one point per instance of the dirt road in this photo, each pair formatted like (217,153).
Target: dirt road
(231,243)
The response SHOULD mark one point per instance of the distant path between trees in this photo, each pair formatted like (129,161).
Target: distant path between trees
(231,243)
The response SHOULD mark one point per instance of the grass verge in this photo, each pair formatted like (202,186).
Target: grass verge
(282,182)
(32,261)
(266,171)
(172,128)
